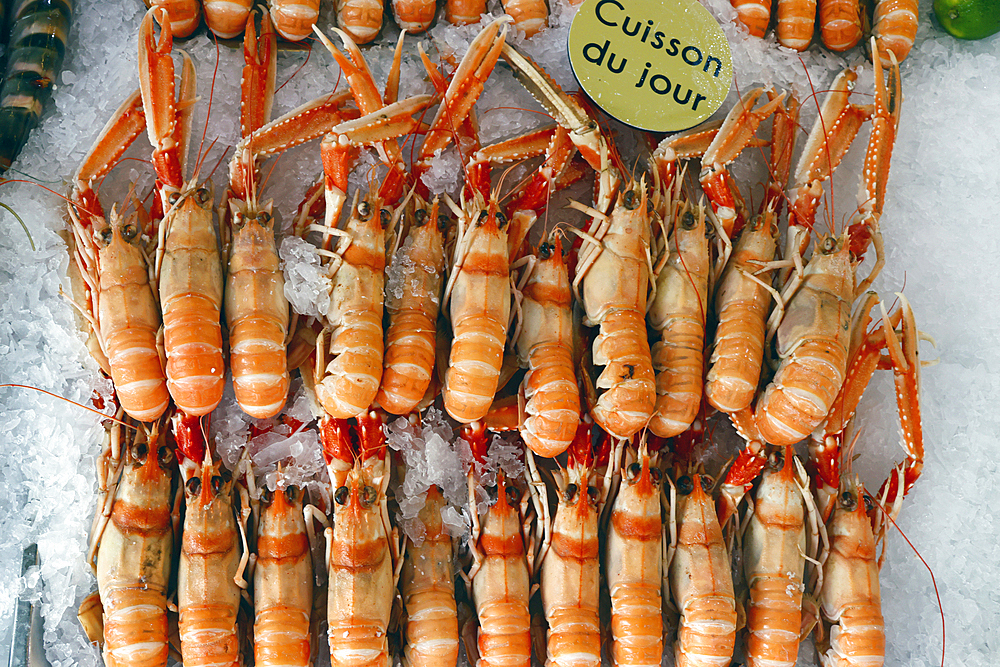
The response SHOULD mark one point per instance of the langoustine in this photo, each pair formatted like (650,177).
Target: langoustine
(282,581)
(184,15)
(294,19)
(360,560)
(135,550)
(188,267)
(500,574)
(701,580)
(774,557)
(634,562)
(428,588)
(570,565)
(208,596)
(226,18)
(347,383)
(413,300)
(742,294)
(678,312)
(546,347)
(112,258)
(255,305)
(852,630)
(478,297)
(614,275)
(414,16)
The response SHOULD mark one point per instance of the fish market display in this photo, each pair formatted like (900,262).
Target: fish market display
(411,405)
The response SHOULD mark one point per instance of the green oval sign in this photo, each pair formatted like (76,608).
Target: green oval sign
(658,65)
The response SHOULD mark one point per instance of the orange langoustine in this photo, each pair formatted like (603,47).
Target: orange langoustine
(545,347)
(427,586)
(226,18)
(348,383)
(774,552)
(570,560)
(614,284)
(361,19)
(478,297)
(283,581)
(701,580)
(501,572)
(477,294)
(840,24)
(134,546)
(413,300)
(742,294)
(255,305)
(110,254)
(208,596)
(361,564)
(634,561)
(185,15)
(294,19)
(852,630)
(188,266)
(414,16)
(678,313)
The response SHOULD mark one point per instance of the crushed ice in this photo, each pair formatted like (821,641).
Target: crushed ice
(307,283)
(432,455)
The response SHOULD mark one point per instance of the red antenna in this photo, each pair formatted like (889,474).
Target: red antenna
(937,593)
(79,405)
